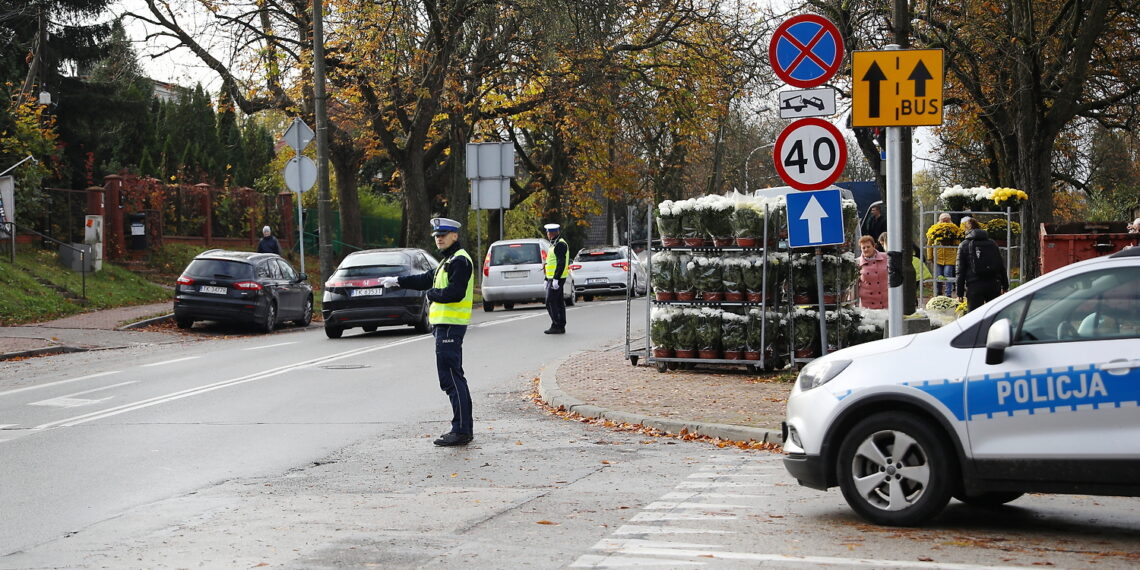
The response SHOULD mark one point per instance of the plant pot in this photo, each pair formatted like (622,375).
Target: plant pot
(754,297)
(665,295)
(803,299)
(686,295)
(711,296)
(663,352)
(733,296)
(1001,243)
(694,241)
(709,242)
(746,241)
(751,355)
(684,353)
(805,353)
(723,242)
(671,241)
(709,353)
(830,298)
(732,355)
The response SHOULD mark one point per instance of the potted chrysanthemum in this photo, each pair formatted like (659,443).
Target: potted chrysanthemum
(732,277)
(685,333)
(684,285)
(706,273)
(734,334)
(661,331)
(747,222)
(709,333)
(668,224)
(1011,198)
(1002,230)
(690,218)
(664,271)
(805,332)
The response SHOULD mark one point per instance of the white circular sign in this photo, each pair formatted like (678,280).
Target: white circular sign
(300,173)
(810,154)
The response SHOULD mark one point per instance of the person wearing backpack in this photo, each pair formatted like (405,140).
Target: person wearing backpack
(980,270)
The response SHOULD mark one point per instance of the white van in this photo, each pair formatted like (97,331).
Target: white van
(514,271)
(1036,391)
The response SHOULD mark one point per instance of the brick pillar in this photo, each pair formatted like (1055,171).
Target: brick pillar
(288,230)
(114,240)
(208,209)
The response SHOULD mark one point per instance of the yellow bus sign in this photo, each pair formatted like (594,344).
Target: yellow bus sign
(896,88)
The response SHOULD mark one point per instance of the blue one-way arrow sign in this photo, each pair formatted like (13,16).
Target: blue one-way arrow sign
(815,218)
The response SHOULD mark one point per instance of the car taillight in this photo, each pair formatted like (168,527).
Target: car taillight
(575,267)
(624,265)
(248,285)
(487,265)
(184,280)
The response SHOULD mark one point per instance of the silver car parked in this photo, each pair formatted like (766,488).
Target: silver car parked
(514,272)
(608,270)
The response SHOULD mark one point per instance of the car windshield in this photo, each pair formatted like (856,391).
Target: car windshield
(599,255)
(515,254)
(386,259)
(219,269)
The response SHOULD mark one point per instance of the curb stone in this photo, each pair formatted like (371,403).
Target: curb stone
(549,393)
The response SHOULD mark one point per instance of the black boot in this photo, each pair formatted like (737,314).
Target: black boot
(453,439)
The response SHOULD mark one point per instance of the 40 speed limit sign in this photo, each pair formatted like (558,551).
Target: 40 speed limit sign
(810,154)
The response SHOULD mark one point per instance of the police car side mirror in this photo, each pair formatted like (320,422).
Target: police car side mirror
(997,340)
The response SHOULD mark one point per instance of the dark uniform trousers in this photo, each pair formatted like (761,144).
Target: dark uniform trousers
(556,304)
(449,364)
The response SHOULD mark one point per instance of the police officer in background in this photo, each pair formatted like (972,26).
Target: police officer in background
(450,288)
(557,267)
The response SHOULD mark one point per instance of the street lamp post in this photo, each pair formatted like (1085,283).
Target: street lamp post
(747,188)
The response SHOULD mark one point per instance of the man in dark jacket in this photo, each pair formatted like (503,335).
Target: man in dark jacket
(450,288)
(874,224)
(980,269)
(268,243)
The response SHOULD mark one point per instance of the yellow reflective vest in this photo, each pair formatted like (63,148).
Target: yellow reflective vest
(458,313)
(552,261)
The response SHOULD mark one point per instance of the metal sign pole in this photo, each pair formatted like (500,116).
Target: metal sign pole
(301,231)
(822,305)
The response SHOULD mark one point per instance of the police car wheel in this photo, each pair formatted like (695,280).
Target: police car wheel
(989,499)
(269,323)
(895,470)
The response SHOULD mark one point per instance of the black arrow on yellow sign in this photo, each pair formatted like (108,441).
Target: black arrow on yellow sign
(874,78)
(920,76)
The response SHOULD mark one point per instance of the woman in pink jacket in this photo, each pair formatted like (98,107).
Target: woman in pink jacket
(872,275)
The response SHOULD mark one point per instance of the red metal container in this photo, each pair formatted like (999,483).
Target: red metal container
(1062,244)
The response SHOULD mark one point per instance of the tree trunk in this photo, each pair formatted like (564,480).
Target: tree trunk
(417,207)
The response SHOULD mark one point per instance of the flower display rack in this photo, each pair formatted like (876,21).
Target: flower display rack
(1011,244)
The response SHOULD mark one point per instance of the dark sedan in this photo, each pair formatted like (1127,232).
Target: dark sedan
(354,298)
(261,289)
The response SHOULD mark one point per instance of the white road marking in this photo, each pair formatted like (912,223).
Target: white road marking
(715,474)
(508,320)
(130,407)
(58,382)
(669,505)
(644,529)
(658,517)
(640,547)
(165,362)
(6,426)
(682,496)
(270,345)
(70,400)
(719,485)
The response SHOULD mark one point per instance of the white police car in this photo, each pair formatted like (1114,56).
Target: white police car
(1036,391)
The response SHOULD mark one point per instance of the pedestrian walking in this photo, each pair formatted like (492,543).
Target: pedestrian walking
(268,243)
(450,288)
(557,267)
(872,275)
(980,268)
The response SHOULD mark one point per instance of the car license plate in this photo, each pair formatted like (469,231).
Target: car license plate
(597,280)
(212,290)
(515,274)
(370,292)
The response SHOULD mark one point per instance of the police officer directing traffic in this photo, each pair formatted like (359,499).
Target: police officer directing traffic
(450,288)
(557,266)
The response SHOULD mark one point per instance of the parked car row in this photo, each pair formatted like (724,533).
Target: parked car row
(264,290)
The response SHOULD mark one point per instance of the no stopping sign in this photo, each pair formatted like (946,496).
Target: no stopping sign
(810,154)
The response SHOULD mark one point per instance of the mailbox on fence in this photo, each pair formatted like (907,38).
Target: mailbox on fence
(137,239)
(1062,244)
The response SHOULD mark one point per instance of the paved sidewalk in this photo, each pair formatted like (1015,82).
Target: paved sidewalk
(719,403)
(93,330)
